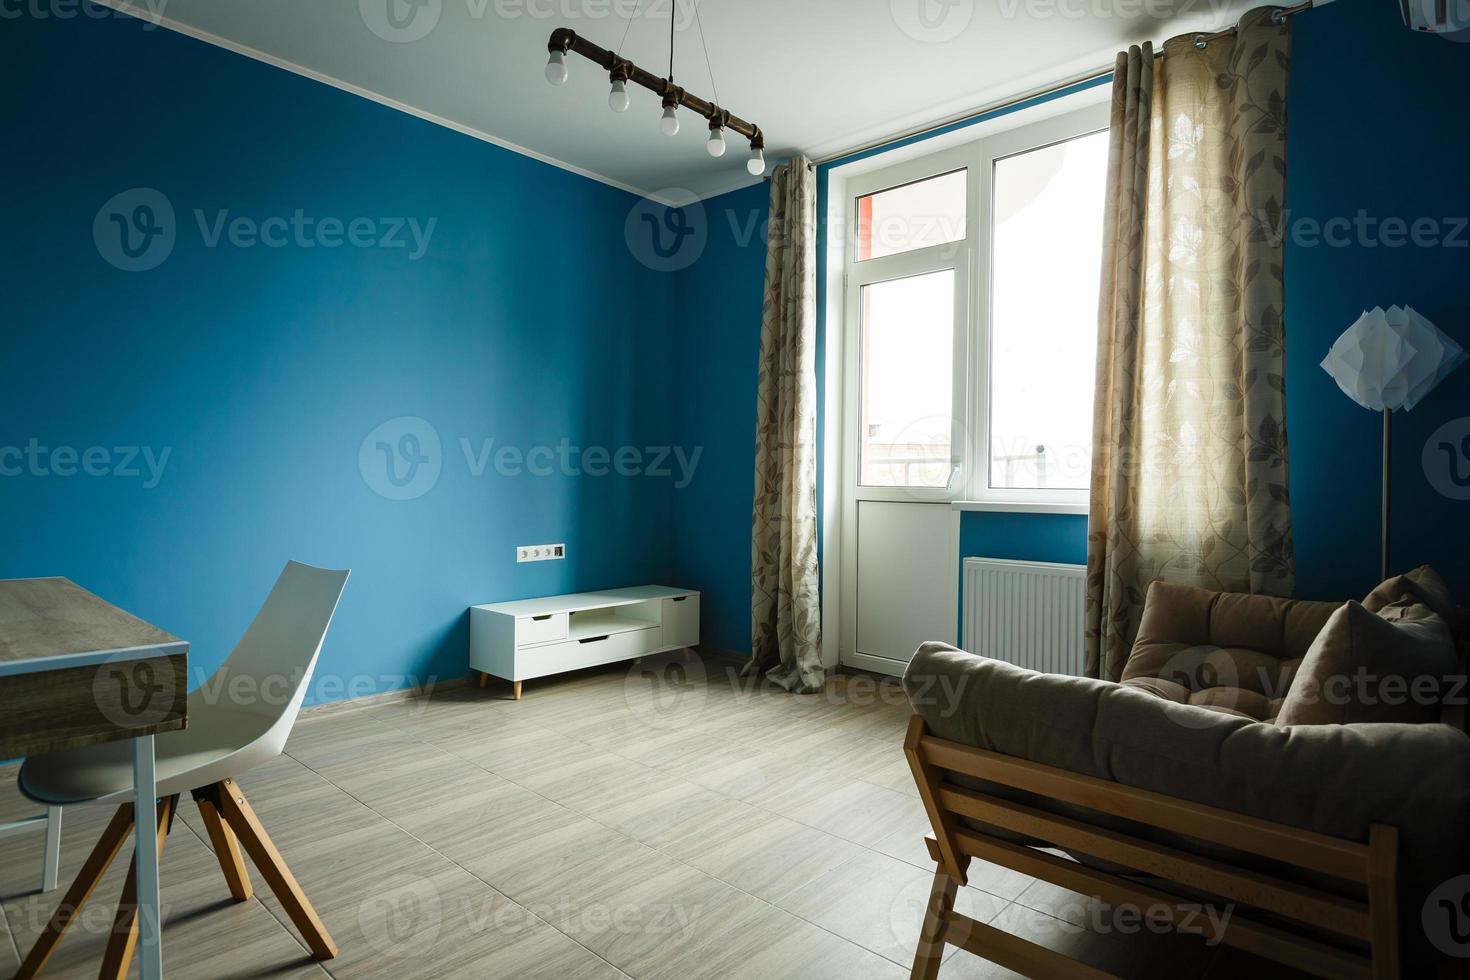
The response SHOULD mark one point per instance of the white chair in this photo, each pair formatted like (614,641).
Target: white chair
(51,861)
(238,719)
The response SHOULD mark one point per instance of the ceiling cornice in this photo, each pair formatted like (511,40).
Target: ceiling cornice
(160,20)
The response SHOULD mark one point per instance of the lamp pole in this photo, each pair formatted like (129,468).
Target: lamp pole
(1387,443)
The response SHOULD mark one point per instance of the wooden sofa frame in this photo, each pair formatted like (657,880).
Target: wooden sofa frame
(1369,930)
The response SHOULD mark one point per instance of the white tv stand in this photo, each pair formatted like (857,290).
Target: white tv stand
(518,641)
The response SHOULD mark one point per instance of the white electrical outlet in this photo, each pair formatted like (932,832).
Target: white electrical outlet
(541,552)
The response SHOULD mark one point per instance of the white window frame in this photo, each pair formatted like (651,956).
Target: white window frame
(1083,122)
(971,260)
(956,256)
(838,534)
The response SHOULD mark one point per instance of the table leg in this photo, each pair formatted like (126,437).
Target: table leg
(52,866)
(145,853)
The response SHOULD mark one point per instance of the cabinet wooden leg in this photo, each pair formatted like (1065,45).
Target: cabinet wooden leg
(484,678)
(515,687)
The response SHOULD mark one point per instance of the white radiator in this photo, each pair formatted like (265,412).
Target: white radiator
(1027,613)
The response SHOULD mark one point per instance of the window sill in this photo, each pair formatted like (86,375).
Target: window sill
(1018,507)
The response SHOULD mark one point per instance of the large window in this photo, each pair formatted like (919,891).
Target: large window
(1045,258)
(972,291)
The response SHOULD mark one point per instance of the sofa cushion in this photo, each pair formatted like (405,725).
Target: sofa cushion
(1335,779)
(1422,585)
(1362,667)
(1233,653)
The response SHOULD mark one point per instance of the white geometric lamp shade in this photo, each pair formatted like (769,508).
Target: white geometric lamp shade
(1387,361)
(1390,359)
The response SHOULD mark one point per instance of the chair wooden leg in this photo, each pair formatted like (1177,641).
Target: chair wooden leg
(226,846)
(246,825)
(123,940)
(81,889)
(931,935)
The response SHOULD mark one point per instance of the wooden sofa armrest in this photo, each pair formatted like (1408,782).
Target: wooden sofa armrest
(1364,934)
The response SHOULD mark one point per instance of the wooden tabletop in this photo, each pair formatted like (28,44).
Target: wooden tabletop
(76,670)
(51,623)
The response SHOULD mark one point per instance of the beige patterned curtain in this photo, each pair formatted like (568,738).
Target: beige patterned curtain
(786,625)
(1189,429)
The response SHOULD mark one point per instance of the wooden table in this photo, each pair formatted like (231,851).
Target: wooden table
(76,670)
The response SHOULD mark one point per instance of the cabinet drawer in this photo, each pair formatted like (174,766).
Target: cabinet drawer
(681,621)
(555,658)
(541,629)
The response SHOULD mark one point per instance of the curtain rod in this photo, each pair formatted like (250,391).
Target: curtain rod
(1041,92)
(1200,40)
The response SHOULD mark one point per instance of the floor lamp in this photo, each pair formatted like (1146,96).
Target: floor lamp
(1388,360)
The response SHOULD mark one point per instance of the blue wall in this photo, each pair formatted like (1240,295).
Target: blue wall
(1378,124)
(717,315)
(262,370)
(1025,537)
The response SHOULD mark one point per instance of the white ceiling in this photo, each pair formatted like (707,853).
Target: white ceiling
(818,76)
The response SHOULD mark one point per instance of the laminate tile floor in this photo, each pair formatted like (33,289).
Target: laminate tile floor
(664,820)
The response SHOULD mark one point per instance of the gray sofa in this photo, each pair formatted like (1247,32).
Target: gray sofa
(1192,718)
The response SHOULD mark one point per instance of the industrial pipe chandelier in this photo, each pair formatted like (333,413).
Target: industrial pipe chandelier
(621,71)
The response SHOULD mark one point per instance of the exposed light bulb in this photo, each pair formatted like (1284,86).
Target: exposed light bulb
(716,144)
(617,99)
(556,68)
(670,122)
(757,162)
